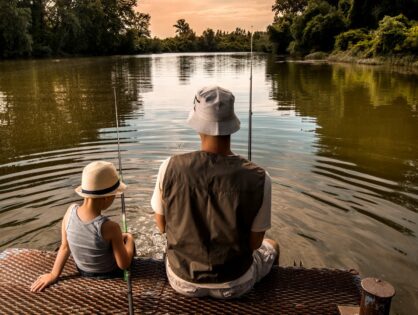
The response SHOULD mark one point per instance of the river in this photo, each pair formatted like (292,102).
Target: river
(339,141)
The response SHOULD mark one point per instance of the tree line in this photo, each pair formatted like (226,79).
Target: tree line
(39,28)
(361,28)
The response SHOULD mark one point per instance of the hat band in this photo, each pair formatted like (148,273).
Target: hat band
(101,191)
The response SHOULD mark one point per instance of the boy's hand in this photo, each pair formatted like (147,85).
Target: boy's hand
(127,237)
(42,282)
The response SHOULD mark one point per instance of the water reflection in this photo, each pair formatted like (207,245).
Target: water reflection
(209,65)
(186,67)
(59,104)
(364,116)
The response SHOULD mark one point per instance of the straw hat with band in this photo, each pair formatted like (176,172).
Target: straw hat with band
(100,179)
(213,112)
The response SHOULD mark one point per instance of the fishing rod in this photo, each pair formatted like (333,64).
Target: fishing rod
(250,112)
(127,271)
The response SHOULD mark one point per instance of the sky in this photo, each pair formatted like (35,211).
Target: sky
(225,15)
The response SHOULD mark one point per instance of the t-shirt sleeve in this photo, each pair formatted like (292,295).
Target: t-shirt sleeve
(157,196)
(262,221)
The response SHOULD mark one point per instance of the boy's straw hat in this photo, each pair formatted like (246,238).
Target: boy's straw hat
(213,112)
(100,179)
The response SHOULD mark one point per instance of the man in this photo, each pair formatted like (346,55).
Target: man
(215,208)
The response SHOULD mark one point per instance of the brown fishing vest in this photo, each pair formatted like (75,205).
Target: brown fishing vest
(210,202)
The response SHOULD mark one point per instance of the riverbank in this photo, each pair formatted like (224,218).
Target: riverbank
(404,61)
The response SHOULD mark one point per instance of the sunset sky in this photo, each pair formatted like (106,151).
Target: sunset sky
(202,14)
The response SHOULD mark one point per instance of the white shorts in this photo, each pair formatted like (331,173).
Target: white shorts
(264,258)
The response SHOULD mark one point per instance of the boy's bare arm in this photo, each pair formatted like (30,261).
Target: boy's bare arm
(63,253)
(122,244)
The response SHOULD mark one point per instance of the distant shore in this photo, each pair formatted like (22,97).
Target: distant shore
(404,61)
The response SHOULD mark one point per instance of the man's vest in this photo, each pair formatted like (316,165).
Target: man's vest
(210,202)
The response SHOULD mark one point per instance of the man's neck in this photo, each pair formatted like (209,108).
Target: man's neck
(216,145)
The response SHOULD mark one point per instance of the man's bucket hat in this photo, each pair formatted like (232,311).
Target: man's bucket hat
(100,179)
(213,112)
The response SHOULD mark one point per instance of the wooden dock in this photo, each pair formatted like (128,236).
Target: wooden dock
(286,290)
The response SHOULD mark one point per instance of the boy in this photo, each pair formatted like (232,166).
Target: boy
(98,246)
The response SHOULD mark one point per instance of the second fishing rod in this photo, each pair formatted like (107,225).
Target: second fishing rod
(250,112)
(127,272)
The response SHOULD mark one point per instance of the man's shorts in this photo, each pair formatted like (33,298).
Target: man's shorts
(264,258)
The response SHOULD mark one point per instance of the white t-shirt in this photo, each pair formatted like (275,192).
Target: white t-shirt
(262,221)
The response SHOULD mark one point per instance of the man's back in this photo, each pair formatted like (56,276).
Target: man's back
(211,201)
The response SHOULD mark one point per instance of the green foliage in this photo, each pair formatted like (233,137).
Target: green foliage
(315,29)
(15,40)
(183,30)
(64,27)
(262,43)
(321,25)
(239,40)
(390,36)
(368,13)
(279,33)
(286,7)
(344,7)
(208,41)
(346,40)
(411,41)
(319,33)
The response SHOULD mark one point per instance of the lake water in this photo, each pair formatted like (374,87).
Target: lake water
(340,142)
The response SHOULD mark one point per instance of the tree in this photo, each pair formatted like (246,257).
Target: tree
(279,33)
(316,28)
(186,38)
(183,29)
(15,22)
(285,7)
(319,33)
(141,23)
(368,13)
(137,38)
(208,40)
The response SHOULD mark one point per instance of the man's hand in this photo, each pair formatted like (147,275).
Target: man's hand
(42,282)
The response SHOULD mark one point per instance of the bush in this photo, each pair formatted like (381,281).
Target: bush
(346,40)
(363,49)
(411,41)
(319,55)
(390,36)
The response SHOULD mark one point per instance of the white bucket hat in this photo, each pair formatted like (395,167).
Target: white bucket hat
(100,179)
(213,112)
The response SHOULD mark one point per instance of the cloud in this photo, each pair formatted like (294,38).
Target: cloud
(216,14)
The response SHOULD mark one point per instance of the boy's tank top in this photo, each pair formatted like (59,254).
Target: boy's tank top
(90,251)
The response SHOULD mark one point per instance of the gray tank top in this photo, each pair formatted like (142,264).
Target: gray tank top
(90,251)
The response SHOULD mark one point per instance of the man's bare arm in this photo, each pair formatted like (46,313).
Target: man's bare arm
(256,238)
(160,220)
